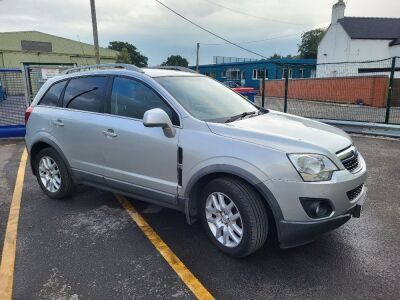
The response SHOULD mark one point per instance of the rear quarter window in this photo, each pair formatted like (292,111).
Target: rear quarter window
(86,93)
(53,94)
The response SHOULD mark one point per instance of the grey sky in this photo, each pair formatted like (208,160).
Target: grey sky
(158,33)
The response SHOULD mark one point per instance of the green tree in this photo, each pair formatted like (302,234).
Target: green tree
(308,48)
(176,60)
(135,56)
(124,57)
(275,56)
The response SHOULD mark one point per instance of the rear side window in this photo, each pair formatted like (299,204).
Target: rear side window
(53,94)
(86,93)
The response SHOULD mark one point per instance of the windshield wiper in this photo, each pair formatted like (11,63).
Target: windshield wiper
(241,116)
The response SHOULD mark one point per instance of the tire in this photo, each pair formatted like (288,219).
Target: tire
(65,186)
(253,218)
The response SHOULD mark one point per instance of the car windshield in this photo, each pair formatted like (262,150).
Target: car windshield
(206,99)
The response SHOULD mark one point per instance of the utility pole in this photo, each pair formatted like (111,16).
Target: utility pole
(197,57)
(263,89)
(95,34)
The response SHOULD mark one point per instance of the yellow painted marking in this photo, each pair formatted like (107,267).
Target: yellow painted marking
(10,239)
(176,264)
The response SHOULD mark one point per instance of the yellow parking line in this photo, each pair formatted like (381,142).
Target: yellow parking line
(176,264)
(10,239)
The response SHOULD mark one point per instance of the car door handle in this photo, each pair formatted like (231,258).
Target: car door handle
(58,123)
(110,133)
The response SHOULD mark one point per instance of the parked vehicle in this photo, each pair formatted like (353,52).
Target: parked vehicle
(237,87)
(185,141)
(248,92)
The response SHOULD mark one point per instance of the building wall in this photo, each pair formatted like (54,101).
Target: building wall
(395,51)
(361,50)
(301,68)
(337,47)
(334,46)
(64,51)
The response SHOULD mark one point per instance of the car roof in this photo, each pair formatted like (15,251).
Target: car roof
(154,72)
(151,72)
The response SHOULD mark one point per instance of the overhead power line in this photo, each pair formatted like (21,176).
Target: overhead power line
(210,32)
(256,41)
(255,16)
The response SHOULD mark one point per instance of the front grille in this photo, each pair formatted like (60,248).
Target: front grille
(354,193)
(349,159)
(351,163)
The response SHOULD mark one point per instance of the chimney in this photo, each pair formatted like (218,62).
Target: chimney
(338,11)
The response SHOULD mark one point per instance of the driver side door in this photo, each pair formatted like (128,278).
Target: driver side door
(139,160)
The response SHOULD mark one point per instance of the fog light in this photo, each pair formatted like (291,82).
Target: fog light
(317,208)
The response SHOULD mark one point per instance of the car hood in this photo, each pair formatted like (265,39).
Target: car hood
(285,132)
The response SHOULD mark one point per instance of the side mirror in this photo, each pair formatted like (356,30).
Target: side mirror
(156,117)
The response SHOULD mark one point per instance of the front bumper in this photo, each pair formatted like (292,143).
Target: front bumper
(292,234)
(295,227)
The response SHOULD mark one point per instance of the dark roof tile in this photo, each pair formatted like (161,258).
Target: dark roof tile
(372,28)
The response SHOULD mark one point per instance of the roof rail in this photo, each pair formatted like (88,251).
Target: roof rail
(103,66)
(176,68)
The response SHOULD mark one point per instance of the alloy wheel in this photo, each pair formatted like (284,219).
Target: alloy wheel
(224,219)
(49,174)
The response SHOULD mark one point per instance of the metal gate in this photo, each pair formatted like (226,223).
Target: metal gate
(36,75)
(12,103)
(18,87)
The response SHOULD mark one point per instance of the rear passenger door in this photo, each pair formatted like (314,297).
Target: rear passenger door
(139,159)
(78,125)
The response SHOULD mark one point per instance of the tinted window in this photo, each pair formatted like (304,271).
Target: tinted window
(53,94)
(86,93)
(130,98)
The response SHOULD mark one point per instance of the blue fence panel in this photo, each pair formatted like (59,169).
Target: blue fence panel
(12,103)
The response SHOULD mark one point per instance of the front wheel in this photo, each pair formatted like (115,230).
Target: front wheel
(234,216)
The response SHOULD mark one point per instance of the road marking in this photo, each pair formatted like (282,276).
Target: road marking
(10,239)
(176,264)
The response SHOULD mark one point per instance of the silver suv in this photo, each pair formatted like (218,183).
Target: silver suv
(185,141)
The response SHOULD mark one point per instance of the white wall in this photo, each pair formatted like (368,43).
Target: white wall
(337,47)
(395,51)
(334,46)
(362,50)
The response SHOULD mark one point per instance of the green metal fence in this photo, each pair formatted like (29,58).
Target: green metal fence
(367,91)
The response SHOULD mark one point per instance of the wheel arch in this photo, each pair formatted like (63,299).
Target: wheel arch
(202,177)
(42,144)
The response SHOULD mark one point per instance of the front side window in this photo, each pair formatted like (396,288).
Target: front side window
(86,93)
(205,98)
(131,98)
(53,94)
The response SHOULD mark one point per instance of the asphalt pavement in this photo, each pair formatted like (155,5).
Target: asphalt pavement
(88,247)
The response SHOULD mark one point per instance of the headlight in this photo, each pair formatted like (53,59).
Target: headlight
(313,167)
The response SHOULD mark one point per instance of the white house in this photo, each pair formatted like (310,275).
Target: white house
(357,39)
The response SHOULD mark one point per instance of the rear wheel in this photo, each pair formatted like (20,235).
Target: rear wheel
(234,217)
(52,174)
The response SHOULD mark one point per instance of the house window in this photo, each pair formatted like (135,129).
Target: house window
(258,74)
(284,72)
(301,74)
(233,74)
